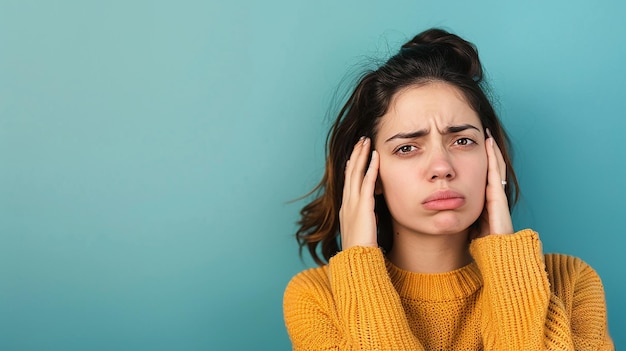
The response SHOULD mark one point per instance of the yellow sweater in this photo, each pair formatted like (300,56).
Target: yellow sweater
(511,298)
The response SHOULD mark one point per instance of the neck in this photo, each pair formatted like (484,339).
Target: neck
(427,253)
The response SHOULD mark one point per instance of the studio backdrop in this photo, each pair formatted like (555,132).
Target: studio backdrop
(150,153)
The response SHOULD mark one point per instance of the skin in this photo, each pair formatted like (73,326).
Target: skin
(430,141)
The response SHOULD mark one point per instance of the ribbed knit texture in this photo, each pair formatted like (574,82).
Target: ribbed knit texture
(510,298)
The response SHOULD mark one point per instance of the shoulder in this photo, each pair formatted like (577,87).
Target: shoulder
(577,288)
(308,284)
(560,266)
(308,295)
(572,279)
(317,281)
(310,277)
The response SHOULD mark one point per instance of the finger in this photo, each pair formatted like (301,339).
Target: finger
(358,168)
(497,206)
(500,160)
(369,181)
(347,185)
(493,171)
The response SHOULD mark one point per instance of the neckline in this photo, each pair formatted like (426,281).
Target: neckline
(453,285)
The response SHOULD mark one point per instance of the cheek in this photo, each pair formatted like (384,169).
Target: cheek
(476,166)
(477,179)
(480,172)
(396,175)
(385,177)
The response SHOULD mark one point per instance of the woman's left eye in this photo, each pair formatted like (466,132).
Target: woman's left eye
(464,141)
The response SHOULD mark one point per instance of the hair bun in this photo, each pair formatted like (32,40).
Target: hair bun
(460,55)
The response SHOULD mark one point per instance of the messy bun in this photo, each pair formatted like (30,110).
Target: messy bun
(431,56)
(458,54)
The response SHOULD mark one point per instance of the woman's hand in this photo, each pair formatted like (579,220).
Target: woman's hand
(356,216)
(497,218)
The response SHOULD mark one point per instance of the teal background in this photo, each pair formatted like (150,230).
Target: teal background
(149,151)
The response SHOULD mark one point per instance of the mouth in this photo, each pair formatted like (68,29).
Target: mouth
(444,200)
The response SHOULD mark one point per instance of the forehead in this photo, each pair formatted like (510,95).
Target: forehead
(435,104)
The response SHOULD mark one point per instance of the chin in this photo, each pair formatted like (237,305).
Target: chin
(440,223)
(450,223)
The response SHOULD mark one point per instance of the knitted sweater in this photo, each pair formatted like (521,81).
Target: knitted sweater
(510,298)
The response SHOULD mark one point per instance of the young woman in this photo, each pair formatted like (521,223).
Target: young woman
(412,216)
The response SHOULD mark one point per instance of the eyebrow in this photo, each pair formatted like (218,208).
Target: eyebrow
(422,132)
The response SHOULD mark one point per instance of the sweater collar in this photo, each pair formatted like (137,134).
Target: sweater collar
(457,284)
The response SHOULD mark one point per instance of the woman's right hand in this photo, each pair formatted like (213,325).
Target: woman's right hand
(357,217)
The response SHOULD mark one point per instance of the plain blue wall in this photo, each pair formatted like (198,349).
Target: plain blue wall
(148,151)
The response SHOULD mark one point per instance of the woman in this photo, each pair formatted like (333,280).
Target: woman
(417,187)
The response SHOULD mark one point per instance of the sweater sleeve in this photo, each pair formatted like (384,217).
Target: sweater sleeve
(358,310)
(519,309)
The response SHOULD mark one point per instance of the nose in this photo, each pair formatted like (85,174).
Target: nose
(440,167)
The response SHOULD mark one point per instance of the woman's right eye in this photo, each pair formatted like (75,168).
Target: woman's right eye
(405,149)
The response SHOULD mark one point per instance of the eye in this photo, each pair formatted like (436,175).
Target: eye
(464,142)
(405,149)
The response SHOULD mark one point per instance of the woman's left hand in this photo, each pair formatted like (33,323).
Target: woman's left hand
(496,219)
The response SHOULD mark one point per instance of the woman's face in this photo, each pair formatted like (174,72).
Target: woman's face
(433,161)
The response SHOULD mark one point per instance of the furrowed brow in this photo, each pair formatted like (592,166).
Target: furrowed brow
(410,135)
(423,132)
(459,128)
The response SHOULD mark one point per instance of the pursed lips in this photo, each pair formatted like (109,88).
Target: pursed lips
(444,200)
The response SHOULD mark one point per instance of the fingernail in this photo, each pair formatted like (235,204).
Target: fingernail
(365,141)
(361,138)
(490,137)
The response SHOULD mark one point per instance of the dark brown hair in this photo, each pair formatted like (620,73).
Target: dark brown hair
(433,55)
